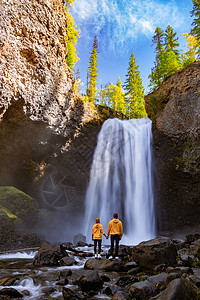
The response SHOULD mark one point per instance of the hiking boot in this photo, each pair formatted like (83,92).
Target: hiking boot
(99,256)
(116,257)
(110,257)
(95,256)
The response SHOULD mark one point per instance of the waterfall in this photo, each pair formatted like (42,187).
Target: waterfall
(121,179)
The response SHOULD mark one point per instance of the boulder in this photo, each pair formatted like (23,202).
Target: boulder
(142,290)
(126,280)
(79,238)
(104,264)
(12,293)
(111,290)
(69,294)
(119,296)
(67,261)
(160,250)
(178,289)
(90,280)
(49,255)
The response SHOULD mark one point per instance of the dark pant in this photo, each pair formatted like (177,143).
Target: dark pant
(95,246)
(114,238)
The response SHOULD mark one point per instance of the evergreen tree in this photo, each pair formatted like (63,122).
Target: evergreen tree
(156,76)
(171,41)
(92,73)
(72,35)
(196,22)
(134,91)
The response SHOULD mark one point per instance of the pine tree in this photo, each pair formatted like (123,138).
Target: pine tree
(114,96)
(196,22)
(156,76)
(134,91)
(92,73)
(171,41)
(72,35)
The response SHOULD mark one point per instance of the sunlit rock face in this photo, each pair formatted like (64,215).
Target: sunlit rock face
(175,110)
(33,67)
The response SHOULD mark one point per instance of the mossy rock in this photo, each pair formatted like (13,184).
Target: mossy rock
(15,203)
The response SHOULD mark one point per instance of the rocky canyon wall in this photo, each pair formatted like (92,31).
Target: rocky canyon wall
(175,111)
(47,132)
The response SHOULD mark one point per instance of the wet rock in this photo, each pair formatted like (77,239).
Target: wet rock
(126,280)
(104,264)
(49,255)
(62,281)
(180,270)
(160,268)
(65,273)
(160,250)
(12,293)
(111,290)
(79,238)
(67,261)
(119,296)
(105,278)
(69,294)
(142,290)
(4,297)
(8,281)
(90,280)
(130,265)
(178,289)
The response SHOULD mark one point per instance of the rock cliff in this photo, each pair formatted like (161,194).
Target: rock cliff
(47,133)
(175,110)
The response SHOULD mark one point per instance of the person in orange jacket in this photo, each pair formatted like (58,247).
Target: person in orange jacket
(115,230)
(97,231)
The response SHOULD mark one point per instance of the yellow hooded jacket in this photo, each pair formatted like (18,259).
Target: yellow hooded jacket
(115,227)
(97,231)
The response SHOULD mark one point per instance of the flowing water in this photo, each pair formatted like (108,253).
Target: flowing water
(121,179)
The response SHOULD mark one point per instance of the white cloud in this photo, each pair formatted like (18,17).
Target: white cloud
(117,22)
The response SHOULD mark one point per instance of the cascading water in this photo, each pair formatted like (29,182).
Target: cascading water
(121,179)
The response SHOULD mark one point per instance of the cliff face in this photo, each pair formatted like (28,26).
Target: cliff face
(32,57)
(175,110)
(47,133)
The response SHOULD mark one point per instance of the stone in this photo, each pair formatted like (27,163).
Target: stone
(12,293)
(126,280)
(67,261)
(69,294)
(62,281)
(49,255)
(104,264)
(119,296)
(178,289)
(142,290)
(160,250)
(128,266)
(105,278)
(111,290)
(90,280)
(79,238)
(180,270)
(65,273)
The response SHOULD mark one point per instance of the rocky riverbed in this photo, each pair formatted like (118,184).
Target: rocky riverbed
(161,268)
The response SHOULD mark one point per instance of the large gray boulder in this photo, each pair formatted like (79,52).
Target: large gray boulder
(178,289)
(142,290)
(49,255)
(160,250)
(90,280)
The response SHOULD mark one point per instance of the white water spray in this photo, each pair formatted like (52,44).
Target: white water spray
(121,179)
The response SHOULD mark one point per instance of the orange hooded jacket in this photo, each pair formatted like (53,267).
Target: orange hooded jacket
(97,231)
(115,227)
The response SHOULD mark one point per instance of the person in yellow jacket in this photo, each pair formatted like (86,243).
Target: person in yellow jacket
(97,231)
(115,230)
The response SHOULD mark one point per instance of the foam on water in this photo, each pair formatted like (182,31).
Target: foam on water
(18,255)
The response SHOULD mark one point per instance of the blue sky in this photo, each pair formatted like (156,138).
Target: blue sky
(122,27)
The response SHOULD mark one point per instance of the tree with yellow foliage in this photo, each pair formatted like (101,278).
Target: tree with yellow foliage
(192,46)
(72,35)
